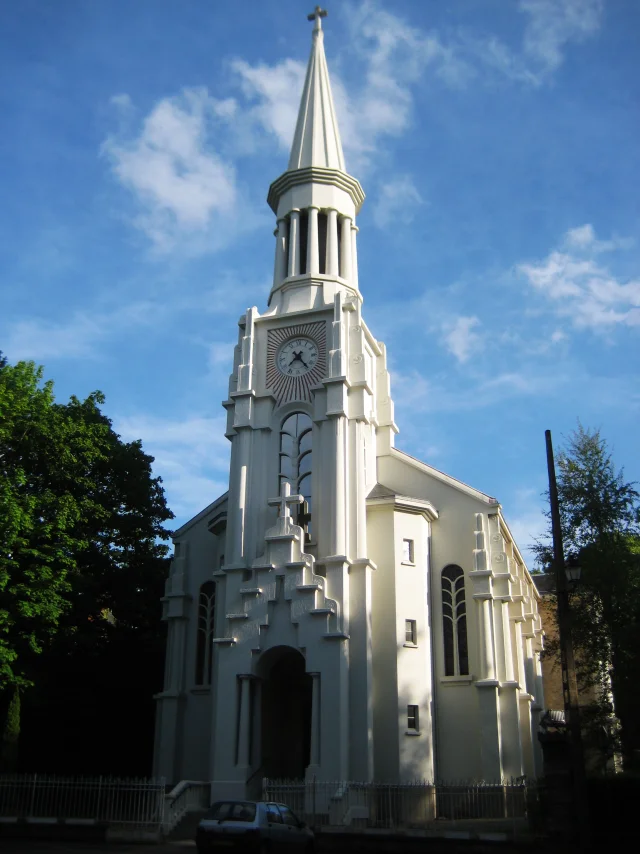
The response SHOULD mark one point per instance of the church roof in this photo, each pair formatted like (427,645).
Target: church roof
(381,491)
(208,510)
(316,141)
(545,582)
(445,478)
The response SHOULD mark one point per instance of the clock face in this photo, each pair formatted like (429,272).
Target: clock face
(297,356)
(296,360)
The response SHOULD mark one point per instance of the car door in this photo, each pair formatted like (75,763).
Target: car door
(297,837)
(278,832)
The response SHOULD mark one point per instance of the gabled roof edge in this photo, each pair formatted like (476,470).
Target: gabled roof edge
(207,510)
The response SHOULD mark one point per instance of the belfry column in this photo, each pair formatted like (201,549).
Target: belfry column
(280,267)
(332,243)
(354,255)
(345,260)
(313,253)
(294,244)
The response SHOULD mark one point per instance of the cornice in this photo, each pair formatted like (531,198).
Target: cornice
(406,504)
(315,175)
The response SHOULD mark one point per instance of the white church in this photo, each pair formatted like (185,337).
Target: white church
(345,611)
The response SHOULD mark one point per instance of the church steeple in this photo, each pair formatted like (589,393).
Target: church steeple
(316,141)
(315,200)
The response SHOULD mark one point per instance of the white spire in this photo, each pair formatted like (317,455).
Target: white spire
(316,141)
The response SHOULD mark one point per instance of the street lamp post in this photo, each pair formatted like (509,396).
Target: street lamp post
(567,659)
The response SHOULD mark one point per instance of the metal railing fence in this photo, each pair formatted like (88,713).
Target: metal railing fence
(401,805)
(108,800)
(188,796)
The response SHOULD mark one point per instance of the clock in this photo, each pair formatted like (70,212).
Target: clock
(297,356)
(296,360)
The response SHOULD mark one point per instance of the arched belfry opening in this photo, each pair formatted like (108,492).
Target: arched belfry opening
(285,713)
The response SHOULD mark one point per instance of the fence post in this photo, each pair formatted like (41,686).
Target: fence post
(98,798)
(33,795)
(313,799)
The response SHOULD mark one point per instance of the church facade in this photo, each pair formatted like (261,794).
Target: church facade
(344,611)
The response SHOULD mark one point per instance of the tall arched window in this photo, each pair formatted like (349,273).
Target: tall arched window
(295,461)
(205,632)
(454,622)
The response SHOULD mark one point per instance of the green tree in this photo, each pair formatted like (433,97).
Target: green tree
(11,733)
(43,457)
(600,517)
(82,568)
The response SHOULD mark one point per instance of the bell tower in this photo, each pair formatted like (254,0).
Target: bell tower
(315,201)
(308,411)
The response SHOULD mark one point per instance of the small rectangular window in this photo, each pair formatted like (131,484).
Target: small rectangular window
(221,561)
(413,721)
(410,634)
(407,551)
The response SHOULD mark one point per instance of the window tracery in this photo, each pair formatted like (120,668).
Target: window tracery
(296,461)
(454,622)
(205,632)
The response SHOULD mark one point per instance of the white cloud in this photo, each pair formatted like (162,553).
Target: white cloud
(40,339)
(191,456)
(421,394)
(181,185)
(394,56)
(583,238)
(553,24)
(397,200)
(581,288)
(233,295)
(220,359)
(527,527)
(550,27)
(274,93)
(460,339)
(121,102)
(181,171)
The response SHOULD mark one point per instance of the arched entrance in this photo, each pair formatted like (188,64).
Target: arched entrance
(285,713)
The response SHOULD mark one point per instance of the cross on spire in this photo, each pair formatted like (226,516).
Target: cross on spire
(285,501)
(317,16)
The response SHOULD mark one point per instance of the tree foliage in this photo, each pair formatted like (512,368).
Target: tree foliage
(600,517)
(82,566)
(11,733)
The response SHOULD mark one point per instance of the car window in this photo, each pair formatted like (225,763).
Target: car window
(273,815)
(288,816)
(232,811)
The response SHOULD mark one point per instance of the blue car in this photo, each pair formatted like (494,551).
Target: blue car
(256,827)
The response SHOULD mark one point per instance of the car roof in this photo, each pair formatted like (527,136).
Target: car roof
(243,801)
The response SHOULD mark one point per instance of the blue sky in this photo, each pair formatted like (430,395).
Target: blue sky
(497,143)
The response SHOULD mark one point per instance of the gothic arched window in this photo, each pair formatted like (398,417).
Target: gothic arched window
(295,461)
(205,632)
(454,622)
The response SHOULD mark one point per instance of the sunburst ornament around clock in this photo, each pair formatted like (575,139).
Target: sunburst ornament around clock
(296,360)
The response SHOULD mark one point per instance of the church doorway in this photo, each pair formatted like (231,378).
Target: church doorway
(285,713)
